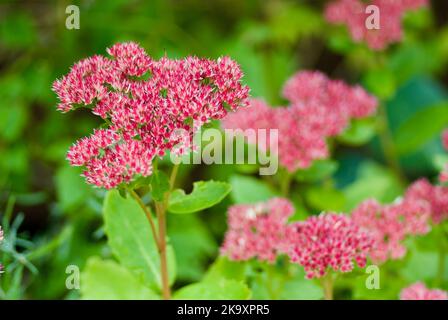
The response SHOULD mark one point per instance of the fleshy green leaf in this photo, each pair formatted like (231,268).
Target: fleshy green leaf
(373,181)
(421,127)
(324,198)
(222,289)
(249,190)
(319,170)
(381,83)
(224,268)
(107,280)
(130,238)
(360,132)
(205,194)
(194,245)
(72,191)
(159,185)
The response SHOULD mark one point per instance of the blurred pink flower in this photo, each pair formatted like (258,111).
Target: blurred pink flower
(297,146)
(257,230)
(320,108)
(328,241)
(327,106)
(418,291)
(144,102)
(435,196)
(391,224)
(353,14)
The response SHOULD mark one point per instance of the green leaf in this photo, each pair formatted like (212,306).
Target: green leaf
(324,198)
(222,289)
(381,83)
(13,119)
(301,289)
(373,181)
(319,170)
(249,190)
(225,268)
(360,132)
(423,265)
(159,185)
(421,127)
(107,280)
(130,238)
(205,194)
(72,191)
(194,244)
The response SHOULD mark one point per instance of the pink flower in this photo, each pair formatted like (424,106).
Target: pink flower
(327,241)
(418,291)
(145,103)
(435,196)
(390,225)
(320,108)
(327,105)
(353,14)
(297,146)
(257,230)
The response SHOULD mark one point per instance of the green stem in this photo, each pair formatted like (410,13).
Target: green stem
(442,253)
(285,183)
(161,208)
(327,283)
(161,219)
(148,216)
(269,283)
(160,233)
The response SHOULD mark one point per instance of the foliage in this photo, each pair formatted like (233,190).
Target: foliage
(52,219)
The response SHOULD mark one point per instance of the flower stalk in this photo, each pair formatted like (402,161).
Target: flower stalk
(159,233)
(327,284)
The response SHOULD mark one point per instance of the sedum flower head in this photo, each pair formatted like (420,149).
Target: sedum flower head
(418,291)
(145,103)
(320,108)
(328,241)
(353,14)
(436,198)
(257,230)
(391,224)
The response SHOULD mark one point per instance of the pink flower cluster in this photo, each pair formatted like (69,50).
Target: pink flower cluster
(444,174)
(418,291)
(321,242)
(320,108)
(257,231)
(145,104)
(328,241)
(436,198)
(353,14)
(391,224)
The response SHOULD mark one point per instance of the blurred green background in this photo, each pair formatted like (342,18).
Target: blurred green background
(58,217)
